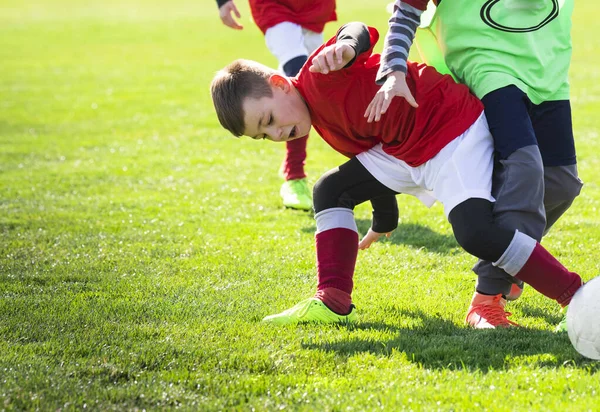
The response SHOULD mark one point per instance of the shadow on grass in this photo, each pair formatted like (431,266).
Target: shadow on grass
(437,343)
(410,234)
(535,312)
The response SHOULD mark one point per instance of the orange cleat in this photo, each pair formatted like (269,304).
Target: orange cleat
(487,312)
(515,292)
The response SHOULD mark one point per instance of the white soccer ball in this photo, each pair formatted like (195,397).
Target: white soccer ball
(583,319)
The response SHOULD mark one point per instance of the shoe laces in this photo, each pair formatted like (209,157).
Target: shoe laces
(494,314)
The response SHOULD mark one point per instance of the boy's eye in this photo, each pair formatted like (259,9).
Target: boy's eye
(270,119)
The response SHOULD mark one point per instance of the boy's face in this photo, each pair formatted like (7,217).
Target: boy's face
(279,118)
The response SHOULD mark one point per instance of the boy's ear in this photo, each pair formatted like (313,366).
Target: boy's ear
(280,82)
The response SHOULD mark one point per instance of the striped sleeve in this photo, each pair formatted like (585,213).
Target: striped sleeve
(401,33)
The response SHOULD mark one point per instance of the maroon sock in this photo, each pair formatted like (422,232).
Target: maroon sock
(293,164)
(336,256)
(335,299)
(548,276)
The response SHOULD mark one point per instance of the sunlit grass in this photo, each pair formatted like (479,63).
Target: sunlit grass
(141,245)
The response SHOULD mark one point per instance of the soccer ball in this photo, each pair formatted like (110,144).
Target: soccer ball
(583,320)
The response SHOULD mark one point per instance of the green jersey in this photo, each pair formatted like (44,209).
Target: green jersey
(490,44)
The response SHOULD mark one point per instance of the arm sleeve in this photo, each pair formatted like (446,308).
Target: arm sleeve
(221,2)
(357,36)
(401,33)
(385,213)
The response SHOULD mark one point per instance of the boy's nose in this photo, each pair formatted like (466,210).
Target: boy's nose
(276,133)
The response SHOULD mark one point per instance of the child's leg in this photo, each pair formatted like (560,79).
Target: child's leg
(335,196)
(292,167)
(286,41)
(516,253)
(293,163)
(518,184)
(518,169)
(312,40)
(461,183)
(554,131)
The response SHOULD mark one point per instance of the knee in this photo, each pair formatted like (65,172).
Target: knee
(527,163)
(519,177)
(321,193)
(562,184)
(476,232)
(470,240)
(483,242)
(326,192)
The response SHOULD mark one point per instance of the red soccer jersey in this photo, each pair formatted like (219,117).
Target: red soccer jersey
(420,4)
(338,100)
(310,14)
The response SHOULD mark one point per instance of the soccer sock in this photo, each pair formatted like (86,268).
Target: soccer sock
(530,262)
(337,248)
(292,167)
(335,299)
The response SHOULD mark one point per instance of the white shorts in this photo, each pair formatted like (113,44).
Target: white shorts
(461,170)
(289,40)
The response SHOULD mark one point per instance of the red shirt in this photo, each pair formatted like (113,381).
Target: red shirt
(420,4)
(310,14)
(337,102)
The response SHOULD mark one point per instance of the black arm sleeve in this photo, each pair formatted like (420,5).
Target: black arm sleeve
(385,213)
(221,2)
(356,35)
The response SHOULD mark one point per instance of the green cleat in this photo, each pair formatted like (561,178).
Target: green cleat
(296,194)
(311,310)
(562,325)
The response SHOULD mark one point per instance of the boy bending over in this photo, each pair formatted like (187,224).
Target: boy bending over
(441,150)
(293,29)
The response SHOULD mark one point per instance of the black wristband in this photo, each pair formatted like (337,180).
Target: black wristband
(356,35)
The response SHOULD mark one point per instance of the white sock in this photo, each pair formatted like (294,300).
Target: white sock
(516,254)
(335,217)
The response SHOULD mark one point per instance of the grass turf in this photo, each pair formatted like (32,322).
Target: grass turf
(141,245)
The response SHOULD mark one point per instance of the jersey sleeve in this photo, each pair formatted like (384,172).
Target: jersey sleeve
(401,33)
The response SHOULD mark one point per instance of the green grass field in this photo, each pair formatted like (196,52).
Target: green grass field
(141,245)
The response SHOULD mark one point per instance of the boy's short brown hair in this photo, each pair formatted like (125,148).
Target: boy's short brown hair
(231,85)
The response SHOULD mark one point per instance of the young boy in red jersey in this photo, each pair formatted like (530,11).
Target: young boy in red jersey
(293,29)
(443,150)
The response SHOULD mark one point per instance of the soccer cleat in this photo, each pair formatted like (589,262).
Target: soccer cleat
(562,325)
(311,310)
(515,292)
(296,194)
(487,312)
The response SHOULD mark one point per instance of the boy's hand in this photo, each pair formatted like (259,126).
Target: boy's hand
(371,237)
(395,85)
(225,12)
(331,58)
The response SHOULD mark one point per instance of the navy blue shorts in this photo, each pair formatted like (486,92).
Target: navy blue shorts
(515,122)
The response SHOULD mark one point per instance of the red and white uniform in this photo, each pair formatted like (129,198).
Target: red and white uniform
(338,100)
(310,14)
